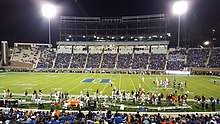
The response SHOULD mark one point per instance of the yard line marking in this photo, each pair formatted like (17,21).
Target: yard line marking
(79,83)
(50,86)
(132,82)
(143,82)
(106,85)
(120,81)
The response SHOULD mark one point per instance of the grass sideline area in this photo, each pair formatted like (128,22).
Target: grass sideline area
(72,83)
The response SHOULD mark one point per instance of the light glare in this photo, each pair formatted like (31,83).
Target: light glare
(206,43)
(180,7)
(48,10)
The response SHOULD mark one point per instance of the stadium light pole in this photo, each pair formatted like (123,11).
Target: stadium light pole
(48,11)
(179,8)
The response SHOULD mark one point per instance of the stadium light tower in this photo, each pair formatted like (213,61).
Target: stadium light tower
(48,11)
(179,8)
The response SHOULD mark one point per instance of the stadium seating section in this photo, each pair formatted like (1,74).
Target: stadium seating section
(93,60)
(25,55)
(176,59)
(157,61)
(124,61)
(140,61)
(62,60)
(78,61)
(46,59)
(197,57)
(214,60)
(109,60)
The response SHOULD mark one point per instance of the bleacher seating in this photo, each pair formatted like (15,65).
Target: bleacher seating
(157,61)
(176,60)
(26,54)
(46,59)
(62,60)
(140,61)
(214,60)
(93,60)
(124,61)
(197,57)
(41,56)
(109,60)
(78,60)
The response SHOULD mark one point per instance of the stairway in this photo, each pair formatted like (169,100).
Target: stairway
(186,55)
(132,59)
(70,61)
(100,65)
(209,55)
(54,61)
(86,60)
(148,61)
(167,57)
(116,60)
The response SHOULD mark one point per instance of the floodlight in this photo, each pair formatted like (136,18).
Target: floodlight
(206,43)
(180,7)
(48,10)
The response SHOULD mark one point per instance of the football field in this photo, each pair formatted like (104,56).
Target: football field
(73,83)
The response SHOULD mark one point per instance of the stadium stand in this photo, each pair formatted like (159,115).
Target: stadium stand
(140,61)
(197,57)
(78,60)
(157,61)
(214,60)
(109,60)
(93,60)
(57,117)
(47,57)
(124,61)
(25,54)
(127,57)
(176,59)
(62,60)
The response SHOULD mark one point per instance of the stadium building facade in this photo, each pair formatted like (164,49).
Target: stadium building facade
(127,28)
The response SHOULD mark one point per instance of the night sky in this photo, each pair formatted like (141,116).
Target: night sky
(21,20)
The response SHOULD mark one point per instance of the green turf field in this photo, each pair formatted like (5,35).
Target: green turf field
(72,83)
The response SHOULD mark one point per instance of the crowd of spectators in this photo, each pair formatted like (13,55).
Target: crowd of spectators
(62,60)
(46,58)
(93,60)
(197,57)
(140,61)
(214,60)
(157,61)
(78,60)
(109,60)
(176,60)
(124,61)
(61,117)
